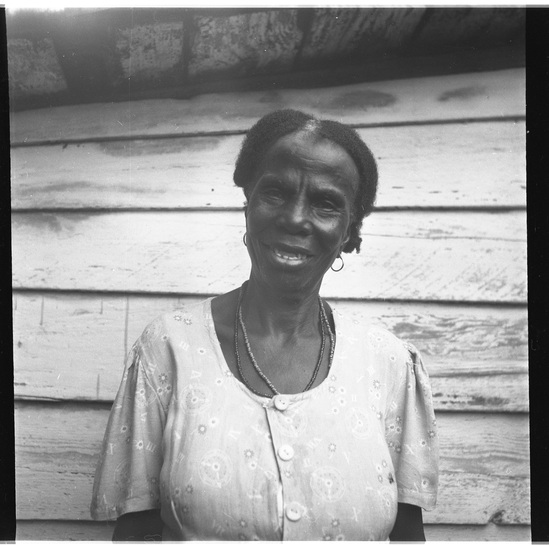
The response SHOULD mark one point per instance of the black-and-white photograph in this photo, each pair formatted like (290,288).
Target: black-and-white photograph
(269,273)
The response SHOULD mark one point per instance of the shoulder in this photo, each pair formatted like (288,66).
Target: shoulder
(375,347)
(373,336)
(176,322)
(152,361)
(175,328)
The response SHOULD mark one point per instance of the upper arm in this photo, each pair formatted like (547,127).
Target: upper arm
(131,455)
(409,524)
(410,429)
(139,526)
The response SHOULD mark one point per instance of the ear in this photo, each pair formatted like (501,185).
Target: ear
(348,233)
(346,239)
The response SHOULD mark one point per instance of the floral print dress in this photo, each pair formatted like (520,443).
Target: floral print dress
(187,437)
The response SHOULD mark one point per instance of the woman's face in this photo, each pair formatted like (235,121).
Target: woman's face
(299,211)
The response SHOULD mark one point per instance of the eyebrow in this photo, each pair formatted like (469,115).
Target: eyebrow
(334,193)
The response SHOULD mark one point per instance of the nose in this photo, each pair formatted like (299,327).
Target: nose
(295,217)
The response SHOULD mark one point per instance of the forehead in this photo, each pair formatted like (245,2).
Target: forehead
(311,153)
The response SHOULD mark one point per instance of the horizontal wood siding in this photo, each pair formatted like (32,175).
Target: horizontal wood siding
(169,173)
(476,96)
(468,369)
(405,255)
(484,466)
(124,211)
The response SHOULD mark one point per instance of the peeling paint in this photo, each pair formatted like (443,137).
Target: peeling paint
(51,222)
(463,93)
(481,400)
(80,311)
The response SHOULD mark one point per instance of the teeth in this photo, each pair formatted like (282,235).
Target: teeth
(290,257)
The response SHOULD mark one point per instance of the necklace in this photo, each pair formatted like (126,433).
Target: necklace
(324,324)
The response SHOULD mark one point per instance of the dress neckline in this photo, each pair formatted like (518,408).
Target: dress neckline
(225,369)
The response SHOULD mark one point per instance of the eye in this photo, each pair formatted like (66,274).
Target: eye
(272,191)
(326,204)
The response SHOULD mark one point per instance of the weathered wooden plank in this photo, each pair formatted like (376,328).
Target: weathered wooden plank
(72,346)
(480,499)
(339,32)
(502,392)
(272,39)
(68,347)
(482,165)
(455,97)
(150,52)
(57,530)
(485,532)
(63,530)
(484,464)
(453,26)
(33,67)
(405,255)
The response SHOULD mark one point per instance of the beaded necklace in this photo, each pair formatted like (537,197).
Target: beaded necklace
(324,324)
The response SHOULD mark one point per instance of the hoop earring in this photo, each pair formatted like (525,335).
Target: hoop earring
(342,264)
(245,239)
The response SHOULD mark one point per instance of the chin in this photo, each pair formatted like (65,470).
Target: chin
(292,281)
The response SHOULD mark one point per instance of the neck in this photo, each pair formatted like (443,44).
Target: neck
(272,313)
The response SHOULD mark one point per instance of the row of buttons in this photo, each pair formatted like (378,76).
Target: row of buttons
(293,510)
(286,453)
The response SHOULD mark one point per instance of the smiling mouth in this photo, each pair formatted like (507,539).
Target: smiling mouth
(289,257)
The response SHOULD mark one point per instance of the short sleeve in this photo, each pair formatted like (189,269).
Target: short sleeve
(128,470)
(411,433)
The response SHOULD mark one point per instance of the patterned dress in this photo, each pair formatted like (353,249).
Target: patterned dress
(185,436)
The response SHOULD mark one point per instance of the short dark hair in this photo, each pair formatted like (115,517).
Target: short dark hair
(277,124)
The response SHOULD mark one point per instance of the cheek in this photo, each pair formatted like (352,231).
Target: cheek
(259,217)
(335,232)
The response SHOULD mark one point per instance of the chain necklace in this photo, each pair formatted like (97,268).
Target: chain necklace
(324,324)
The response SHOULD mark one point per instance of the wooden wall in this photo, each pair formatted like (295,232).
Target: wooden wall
(123,211)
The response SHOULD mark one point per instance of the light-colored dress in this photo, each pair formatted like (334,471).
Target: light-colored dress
(222,463)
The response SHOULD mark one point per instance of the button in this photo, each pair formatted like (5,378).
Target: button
(281,403)
(293,512)
(286,452)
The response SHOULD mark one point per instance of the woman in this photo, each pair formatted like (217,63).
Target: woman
(263,413)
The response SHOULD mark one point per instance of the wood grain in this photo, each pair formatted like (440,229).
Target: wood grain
(55,530)
(484,464)
(246,43)
(478,95)
(451,166)
(485,532)
(453,26)
(405,255)
(34,67)
(72,346)
(337,33)
(150,52)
